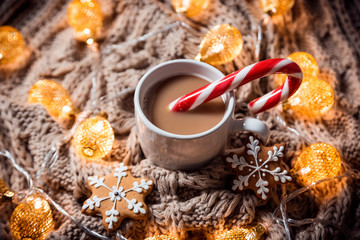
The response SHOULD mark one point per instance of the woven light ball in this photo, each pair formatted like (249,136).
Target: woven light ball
(191,8)
(53,97)
(313,99)
(12,44)
(242,233)
(222,44)
(93,138)
(32,219)
(276,7)
(86,18)
(317,162)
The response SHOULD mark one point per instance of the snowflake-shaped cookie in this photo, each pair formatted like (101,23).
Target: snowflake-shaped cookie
(117,196)
(258,168)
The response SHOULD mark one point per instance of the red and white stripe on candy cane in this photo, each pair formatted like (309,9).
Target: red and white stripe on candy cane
(243,76)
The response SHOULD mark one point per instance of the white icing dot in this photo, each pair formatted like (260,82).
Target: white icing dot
(263,174)
(260,160)
(251,162)
(266,166)
(253,175)
(249,170)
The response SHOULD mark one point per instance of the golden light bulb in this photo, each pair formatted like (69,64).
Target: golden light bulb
(31,219)
(93,138)
(53,97)
(306,62)
(191,8)
(161,237)
(12,44)
(318,161)
(86,18)
(313,98)
(242,233)
(276,7)
(220,45)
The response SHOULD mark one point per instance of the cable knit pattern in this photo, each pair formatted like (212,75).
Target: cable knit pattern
(189,205)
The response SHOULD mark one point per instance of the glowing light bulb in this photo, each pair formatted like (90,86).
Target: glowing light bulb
(276,7)
(314,98)
(220,45)
(191,8)
(161,237)
(31,219)
(86,18)
(243,233)
(53,97)
(318,161)
(94,138)
(12,44)
(306,62)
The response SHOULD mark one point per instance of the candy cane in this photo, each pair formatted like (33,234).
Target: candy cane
(241,77)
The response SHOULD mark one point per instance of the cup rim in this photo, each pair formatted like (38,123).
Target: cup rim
(138,110)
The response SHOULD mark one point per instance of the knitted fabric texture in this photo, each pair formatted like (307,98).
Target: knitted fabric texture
(189,205)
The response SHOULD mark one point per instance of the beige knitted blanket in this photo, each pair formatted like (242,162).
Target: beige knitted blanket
(188,205)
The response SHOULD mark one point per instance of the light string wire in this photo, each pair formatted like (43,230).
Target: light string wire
(281,121)
(142,38)
(263,23)
(293,222)
(33,189)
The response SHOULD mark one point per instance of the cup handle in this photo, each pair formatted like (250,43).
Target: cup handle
(252,125)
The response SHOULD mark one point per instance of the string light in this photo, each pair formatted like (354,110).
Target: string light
(31,219)
(93,138)
(220,45)
(86,18)
(276,7)
(314,98)
(306,62)
(243,233)
(191,8)
(53,97)
(161,237)
(12,44)
(317,162)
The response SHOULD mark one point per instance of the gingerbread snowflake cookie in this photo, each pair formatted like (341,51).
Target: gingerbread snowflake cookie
(258,168)
(117,196)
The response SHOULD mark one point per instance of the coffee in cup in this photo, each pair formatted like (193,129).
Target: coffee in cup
(194,121)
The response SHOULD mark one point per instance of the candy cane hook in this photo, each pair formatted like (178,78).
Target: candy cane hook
(243,76)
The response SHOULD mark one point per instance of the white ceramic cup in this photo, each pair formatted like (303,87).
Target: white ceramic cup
(187,152)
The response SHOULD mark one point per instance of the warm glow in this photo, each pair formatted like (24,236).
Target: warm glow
(86,18)
(314,98)
(276,7)
(306,62)
(161,237)
(242,233)
(12,44)
(191,8)
(317,162)
(222,44)
(94,138)
(31,219)
(53,97)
